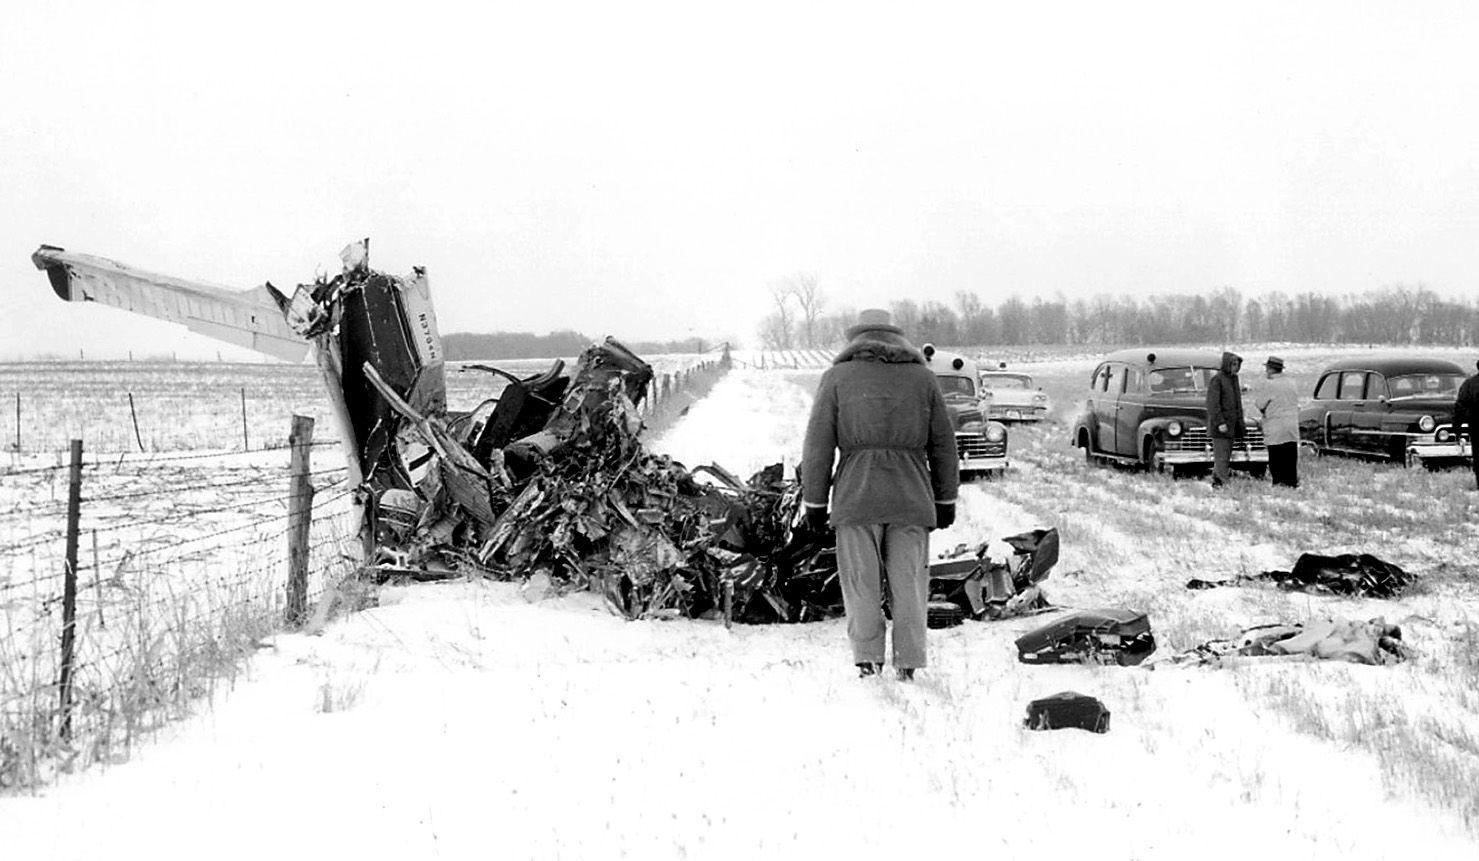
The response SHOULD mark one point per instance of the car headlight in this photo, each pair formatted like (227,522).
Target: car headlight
(996,433)
(972,427)
(1174,429)
(1426,424)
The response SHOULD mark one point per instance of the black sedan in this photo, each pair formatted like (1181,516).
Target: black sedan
(1399,409)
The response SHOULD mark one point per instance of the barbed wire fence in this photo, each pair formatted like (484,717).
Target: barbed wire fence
(144,590)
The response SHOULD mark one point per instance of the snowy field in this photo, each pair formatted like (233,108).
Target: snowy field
(477,720)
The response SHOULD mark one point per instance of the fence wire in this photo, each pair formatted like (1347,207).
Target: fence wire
(181,572)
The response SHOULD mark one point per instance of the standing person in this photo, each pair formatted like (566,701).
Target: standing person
(1279,403)
(1466,412)
(1224,415)
(880,409)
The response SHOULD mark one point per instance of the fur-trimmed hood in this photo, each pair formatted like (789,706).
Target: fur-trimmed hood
(879,346)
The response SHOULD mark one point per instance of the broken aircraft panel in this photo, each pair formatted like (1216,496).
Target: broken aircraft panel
(247,318)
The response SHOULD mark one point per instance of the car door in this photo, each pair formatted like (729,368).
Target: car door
(1312,416)
(1368,415)
(1109,422)
(1128,413)
(1349,395)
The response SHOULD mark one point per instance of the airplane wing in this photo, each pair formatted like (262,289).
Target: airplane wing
(246,318)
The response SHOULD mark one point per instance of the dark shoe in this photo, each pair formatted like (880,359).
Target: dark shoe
(906,674)
(865,670)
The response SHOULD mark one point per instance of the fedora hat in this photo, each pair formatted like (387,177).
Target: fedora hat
(1275,364)
(873,320)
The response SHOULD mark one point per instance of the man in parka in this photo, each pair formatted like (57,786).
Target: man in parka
(1278,401)
(880,408)
(1224,415)
(1466,413)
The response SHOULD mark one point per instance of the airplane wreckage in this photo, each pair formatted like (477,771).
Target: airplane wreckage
(547,480)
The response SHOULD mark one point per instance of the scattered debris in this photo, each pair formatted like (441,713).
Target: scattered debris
(1346,574)
(1109,636)
(984,589)
(1067,710)
(1369,642)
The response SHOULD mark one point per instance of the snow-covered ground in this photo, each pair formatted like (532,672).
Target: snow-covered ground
(475,720)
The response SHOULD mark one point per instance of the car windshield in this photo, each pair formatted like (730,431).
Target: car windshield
(1186,379)
(1425,386)
(1002,381)
(957,385)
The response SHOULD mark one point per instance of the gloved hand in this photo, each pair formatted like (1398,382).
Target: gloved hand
(816,519)
(944,514)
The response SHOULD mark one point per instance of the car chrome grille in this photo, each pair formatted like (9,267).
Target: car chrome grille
(974,446)
(1197,439)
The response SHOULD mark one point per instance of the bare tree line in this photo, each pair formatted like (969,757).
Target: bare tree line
(1398,314)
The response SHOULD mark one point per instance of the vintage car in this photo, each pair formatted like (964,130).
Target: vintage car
(1401,409)
(1150,407)
(982,443)
(1010,396)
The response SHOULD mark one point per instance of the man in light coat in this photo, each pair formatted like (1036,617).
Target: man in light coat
(879,408)
(1225,415)
(1278,401)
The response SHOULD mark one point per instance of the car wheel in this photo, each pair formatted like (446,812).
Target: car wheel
(1154,456)
(1088,446)
(1412,459)
(1258,471)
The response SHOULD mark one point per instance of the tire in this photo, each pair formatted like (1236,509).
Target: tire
(1152,455)
(1087,444)
(1258,471)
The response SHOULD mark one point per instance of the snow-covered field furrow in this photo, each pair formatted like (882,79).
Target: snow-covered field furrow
(471,720)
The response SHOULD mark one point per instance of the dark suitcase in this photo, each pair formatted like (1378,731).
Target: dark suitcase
(1109,636)
(1067,710)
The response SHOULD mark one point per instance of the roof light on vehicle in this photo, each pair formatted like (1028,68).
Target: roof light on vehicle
(1174,429)
(929,351)
(1426,424)
(996,433)
(958,363)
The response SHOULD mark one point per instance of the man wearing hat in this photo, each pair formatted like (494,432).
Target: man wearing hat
(1279,403)
(880,411)
(1466,413)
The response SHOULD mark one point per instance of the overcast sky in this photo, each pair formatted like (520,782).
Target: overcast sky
(647,170)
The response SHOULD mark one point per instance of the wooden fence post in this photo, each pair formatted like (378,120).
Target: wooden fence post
(135,416)
(300,518)
(245,446)
(69,589)
(17,421)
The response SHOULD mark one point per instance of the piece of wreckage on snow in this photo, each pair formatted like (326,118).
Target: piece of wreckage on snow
(548,481)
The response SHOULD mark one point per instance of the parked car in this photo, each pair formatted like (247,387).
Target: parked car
(1010,396)
(1400,409)
(981,443)
(1150,408)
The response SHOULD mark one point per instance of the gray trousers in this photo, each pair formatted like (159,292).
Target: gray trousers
(863,553)
(1221,456)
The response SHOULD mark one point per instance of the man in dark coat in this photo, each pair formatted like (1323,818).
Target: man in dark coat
(1225,415)
(880,408)
(1466,413)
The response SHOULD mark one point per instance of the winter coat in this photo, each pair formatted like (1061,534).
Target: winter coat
(1225,401)
(1278,401)
(880,407)
(1466,408)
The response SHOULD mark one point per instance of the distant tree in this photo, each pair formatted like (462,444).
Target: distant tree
(905,315)
(810,302)
(778,329)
